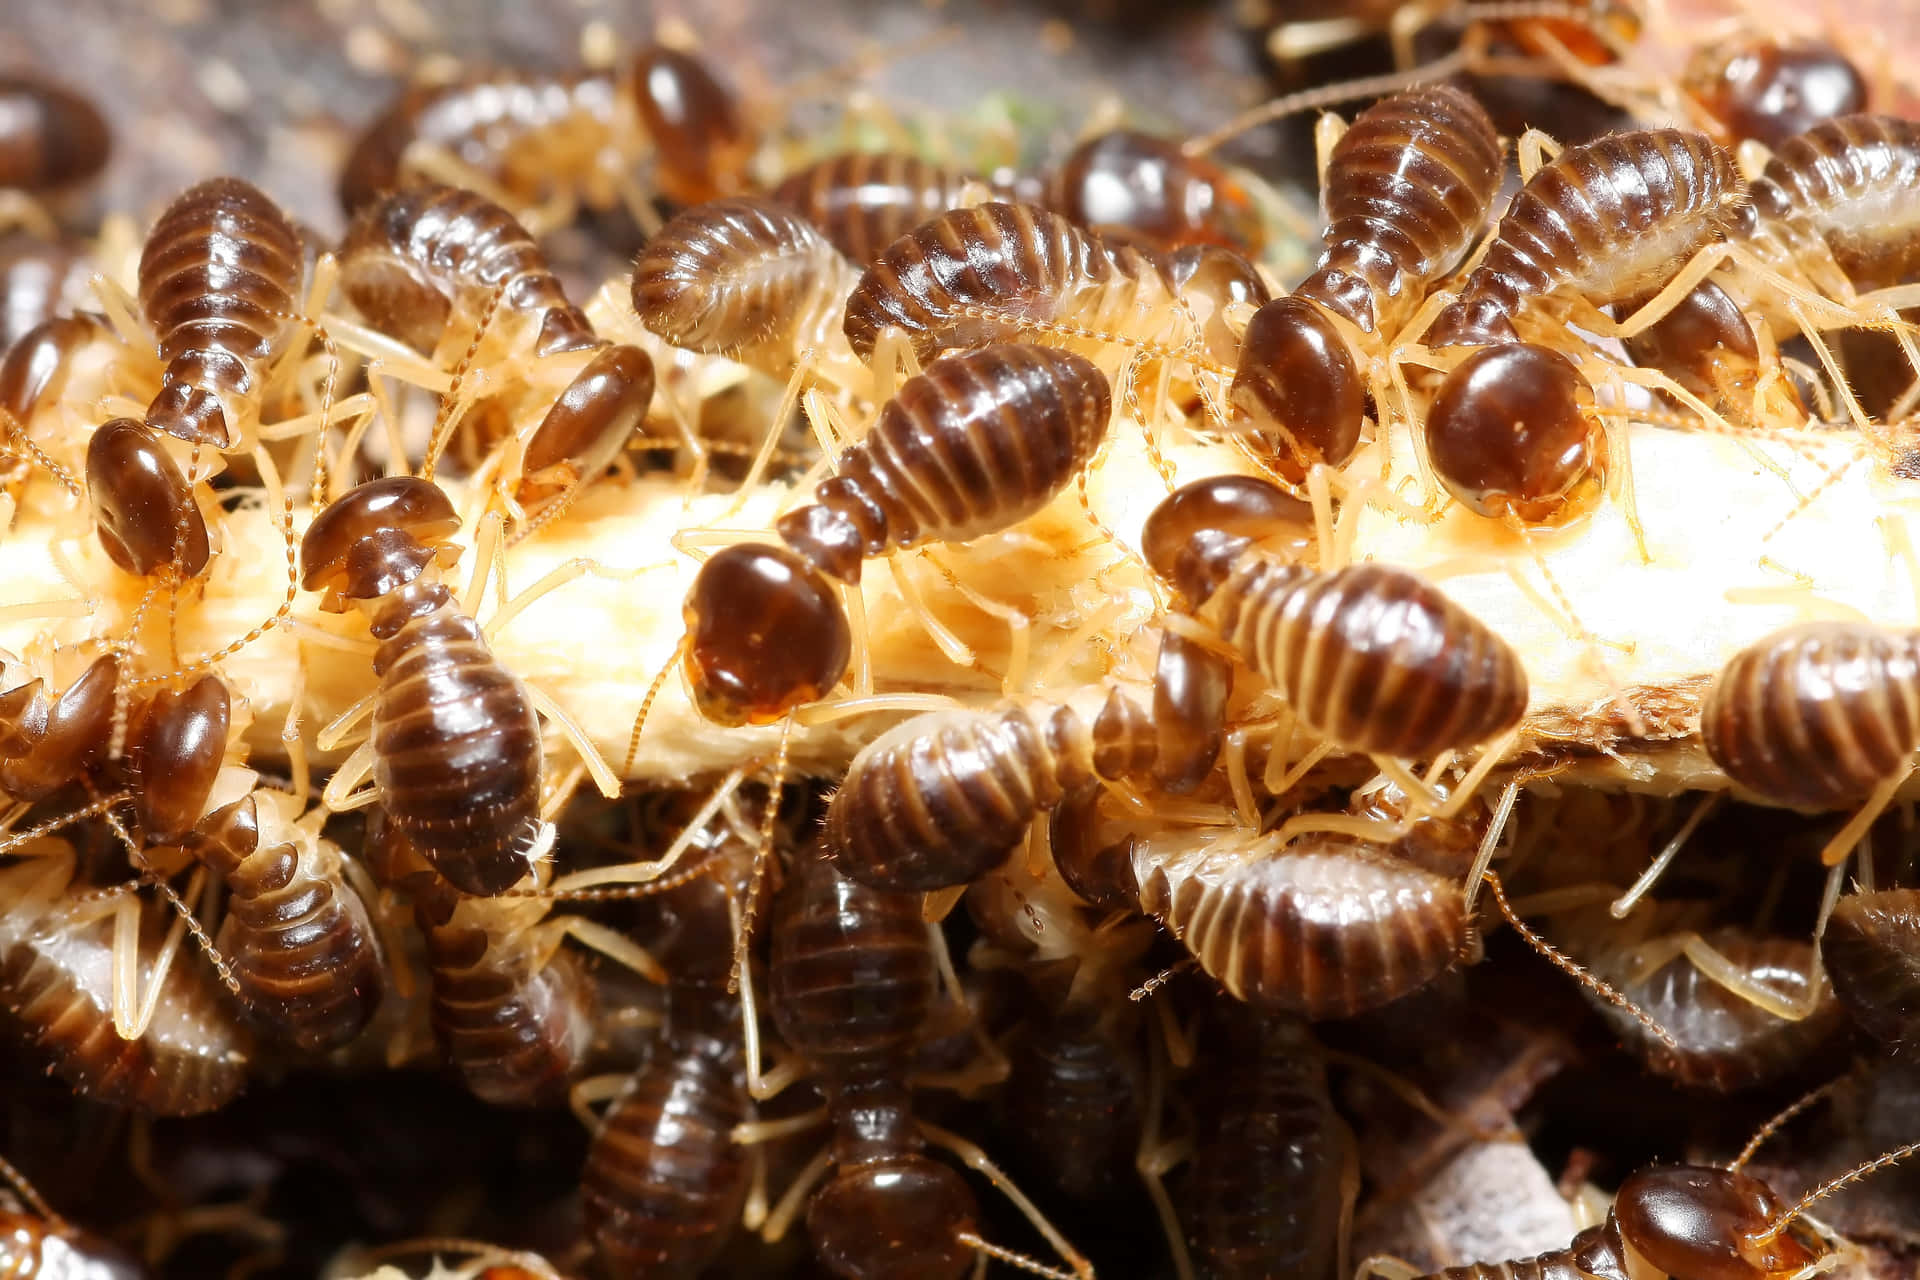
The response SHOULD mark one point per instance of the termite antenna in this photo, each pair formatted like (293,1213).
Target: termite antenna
(1625,903)
(1013,1259)
(1158,981)
(30,1196)
(646,703)
(1325,96)
(443,422)
(762,855)
(1780,1121)
(1832,1185)
(1561,961)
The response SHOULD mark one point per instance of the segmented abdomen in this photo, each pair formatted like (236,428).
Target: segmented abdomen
(751,279)
(1408,189)
(1370,657)
(1816,714)
(979,275)
(1847,184)
(411,260)
(1323,928)
(456,743)
(56,980)
(218,279)
(663,1180)
(863,201)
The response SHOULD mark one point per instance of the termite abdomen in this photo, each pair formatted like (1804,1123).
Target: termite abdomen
(218,277)
(745,278)
(1816,714)
(1844,188)
(663,1179)
(143,508)
(50,136)
(864,201)
(1076,1096)
(701,140)
(424,253)
(1320,928)
(1871,950)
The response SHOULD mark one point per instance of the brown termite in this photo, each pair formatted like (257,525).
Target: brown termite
(1273,1173)
(851,981)
(1819,715)
(1150,185)
(219,275)
(73,970)
(1368,657)
(1682,1222)
(1767,87)
(50,136)
(455,752)
(747,278)
(1320,927)
(664,1180)
(144,510)
(943,798)
(48,741)
(1870,951)
(36,1241)
(973,445)
(533,140)
(1408,188)
(862,201)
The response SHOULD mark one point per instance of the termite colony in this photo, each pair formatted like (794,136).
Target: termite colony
(946,718)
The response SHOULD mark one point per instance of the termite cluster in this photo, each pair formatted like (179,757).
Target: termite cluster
(1070,795)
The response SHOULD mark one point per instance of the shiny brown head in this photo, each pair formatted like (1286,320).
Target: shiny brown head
(700,137)
(1193,537)
(176,751)
(376,537)
(765,633)
(1148,184)
(1768,89)
(1297,389)
(143,508)
(1699,1223)
(1512,431)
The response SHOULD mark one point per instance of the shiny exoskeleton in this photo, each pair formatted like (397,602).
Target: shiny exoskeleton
(143,508)
(1408,188)
(456,741)
(1817,714)
(1148,185)
(47,741)
(1002,272)
(39,279)
(586,428)
(746,278)
(851,982)
(423,254)
(1263,1197)
(538,136)
(1680,1222)
(943,798)
(57,976)
(862,201)
(1871,950)
(1767,88)
(50,136)
(1511,433)
(1322,927)
(1369,657)
(1832,206)
(664,1181)
(975,444)
(218,282)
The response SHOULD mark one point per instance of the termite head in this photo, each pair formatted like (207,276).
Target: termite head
(1196,533)
(1512,432)
(765,633)
(1699,1223)
(1149,185)
(896,1217)
(143,507)
(1297,390)
(700,138)
(176,750)
(593,419)
(376,538)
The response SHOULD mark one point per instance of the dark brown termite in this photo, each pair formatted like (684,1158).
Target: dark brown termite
(1871,950)
(1150,185)
(37,1242)
(973,445)
(144,511)
(862,201)
(1768,88)
(50,136)
(47,741)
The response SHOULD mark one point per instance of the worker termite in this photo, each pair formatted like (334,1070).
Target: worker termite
(49,741)
(455,753)
(750,279)
(940,799)
(1819,715)
(1869,950)
(1368,657)
(1408,187)
(1683,1221)
(51,140)
(36,1241)
(973,445)
(532,140)
(863,201)
(851,980)
(1149,185)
